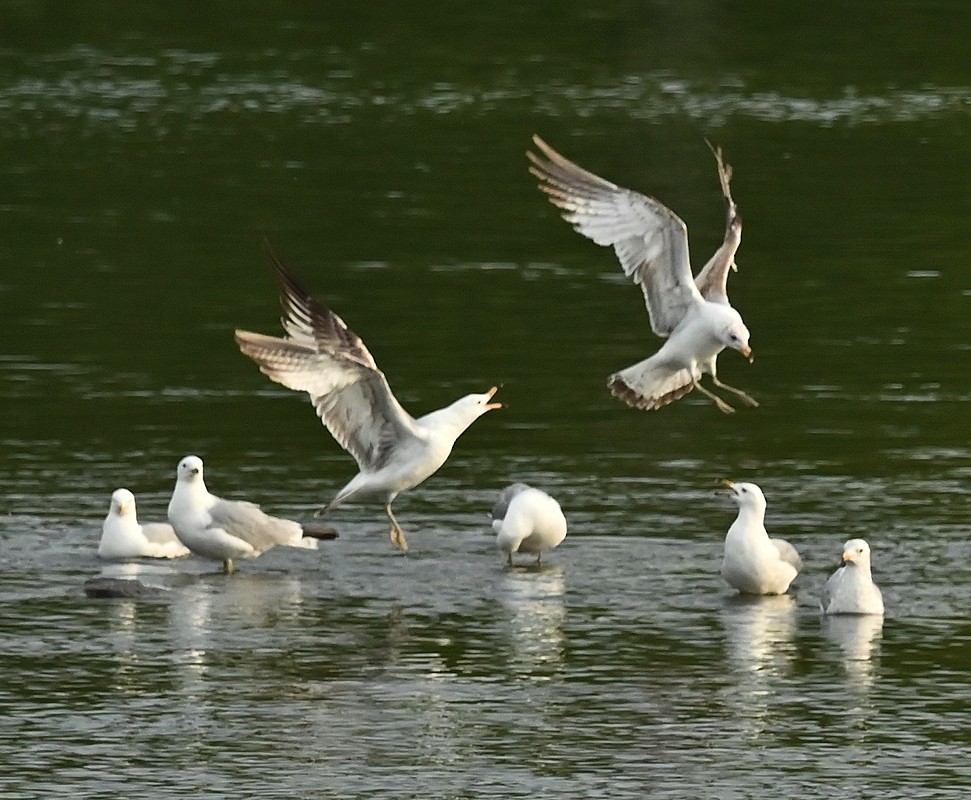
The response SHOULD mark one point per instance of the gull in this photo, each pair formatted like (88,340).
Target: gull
(320,355)
(527,520)
(224,530)
(651,242)
(753,563)
(123,537)
(851,590)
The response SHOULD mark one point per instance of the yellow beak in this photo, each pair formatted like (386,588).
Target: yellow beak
(491,393)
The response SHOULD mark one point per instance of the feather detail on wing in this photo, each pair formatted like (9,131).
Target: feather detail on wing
(712,281)
(650,384)
(247,521)
(787,553)
(649,239)
(323,357)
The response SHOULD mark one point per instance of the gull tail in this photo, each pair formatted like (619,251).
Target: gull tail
(650,385)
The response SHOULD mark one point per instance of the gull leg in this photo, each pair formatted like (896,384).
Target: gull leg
(228,566)
(722,405)
(509,560)
(742,395)
(397,535)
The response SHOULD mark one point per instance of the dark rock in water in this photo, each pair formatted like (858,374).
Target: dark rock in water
(118,587)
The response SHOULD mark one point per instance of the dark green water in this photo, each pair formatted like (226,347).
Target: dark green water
(145,156)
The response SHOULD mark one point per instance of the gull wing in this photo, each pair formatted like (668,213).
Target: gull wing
(322,356)
(649,239)
(505,497)
(787,553)
(712,281)
(250,523)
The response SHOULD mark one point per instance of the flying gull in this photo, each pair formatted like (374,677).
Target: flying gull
(651,242)
(527,520)
(753,563)
(224,530)
(851,590)
(123,537)
(320,355)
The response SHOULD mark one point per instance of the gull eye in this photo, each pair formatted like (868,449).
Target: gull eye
(744,491)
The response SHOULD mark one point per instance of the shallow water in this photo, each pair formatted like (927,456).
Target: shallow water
(143,166)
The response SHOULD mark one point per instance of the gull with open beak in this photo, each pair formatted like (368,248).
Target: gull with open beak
(320,355)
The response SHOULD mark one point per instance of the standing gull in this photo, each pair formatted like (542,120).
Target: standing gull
(851,590)
(224,530)
(754,563)
(123,537)
(651,242)
(527,520)
(320,355)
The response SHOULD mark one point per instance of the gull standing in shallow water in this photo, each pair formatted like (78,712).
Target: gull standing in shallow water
(527,520)
(224,530)
(851,590)
(320,355)
(651,242)
(754,563)
(123,537)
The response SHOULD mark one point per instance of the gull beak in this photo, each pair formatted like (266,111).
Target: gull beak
(747,352)
(727,490)
(491,393)
(847,558)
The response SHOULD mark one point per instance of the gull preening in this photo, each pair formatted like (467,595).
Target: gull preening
(224,530)
(753,563)
(692,313)
(123,537)
(527,520)
(851,590)
(320,355)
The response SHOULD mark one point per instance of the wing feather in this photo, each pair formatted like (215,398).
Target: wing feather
(712,281)
(322,356)
(650,240)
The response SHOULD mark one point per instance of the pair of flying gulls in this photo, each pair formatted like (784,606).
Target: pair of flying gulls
(394,451)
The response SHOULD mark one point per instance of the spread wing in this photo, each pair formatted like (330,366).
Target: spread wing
(712,281)
(650,240)
(321,356)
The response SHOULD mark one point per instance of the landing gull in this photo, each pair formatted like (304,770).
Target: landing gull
(224,530)
(753,563)
(651,242)
(527,520)
(851,590)
(123,537)
(320,355)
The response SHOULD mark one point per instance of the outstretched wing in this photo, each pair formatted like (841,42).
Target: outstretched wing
(712,281)
(322,356)
(650,240)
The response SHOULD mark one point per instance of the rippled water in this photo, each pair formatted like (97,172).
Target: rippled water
(142,167)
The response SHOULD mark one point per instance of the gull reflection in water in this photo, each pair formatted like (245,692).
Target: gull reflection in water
(760,633)
(534,598)
(858,638)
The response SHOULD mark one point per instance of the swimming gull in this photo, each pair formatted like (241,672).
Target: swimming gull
(320,355)
(651,242)
(224,530)
(527,520)
(123,537)
(851,590)
(753,563)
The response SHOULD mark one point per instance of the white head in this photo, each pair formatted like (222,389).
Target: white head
(189,470)
(746,495)
(735,335)
(123,503)
(856,552)
(466,410)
